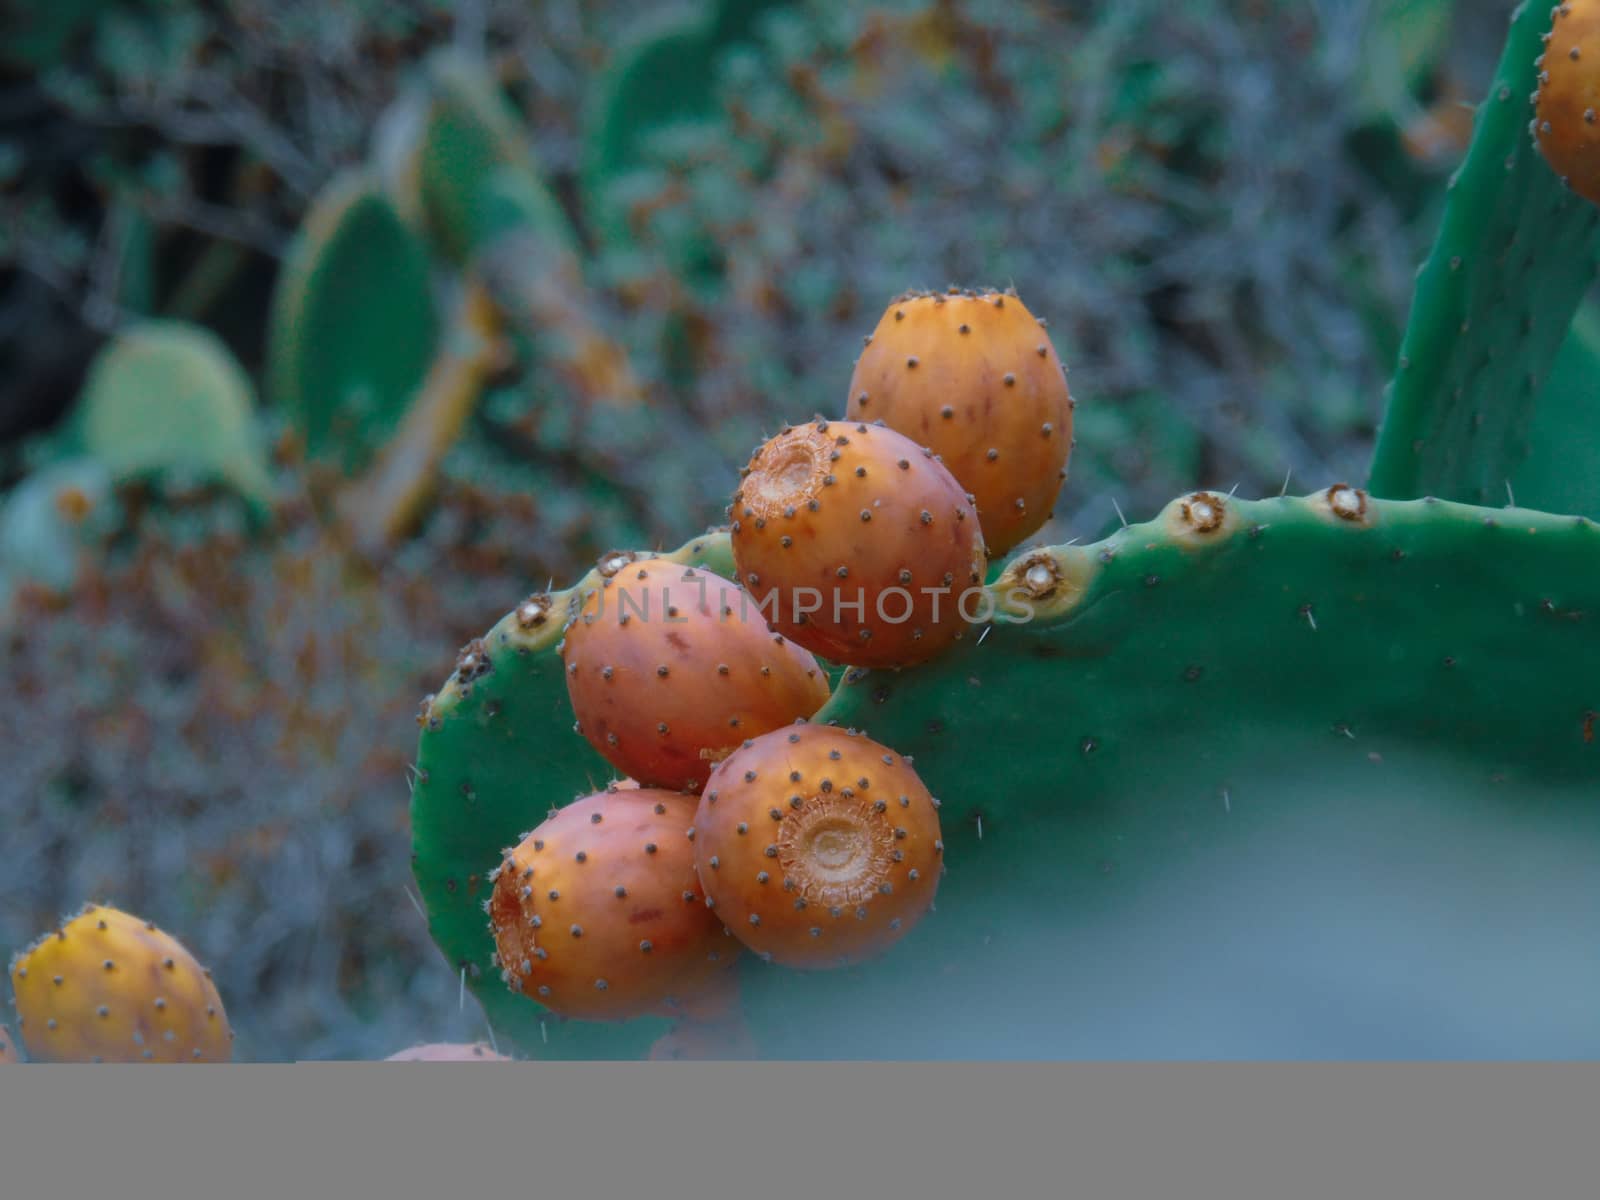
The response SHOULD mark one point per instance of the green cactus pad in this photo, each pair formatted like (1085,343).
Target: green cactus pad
(168,399)
(1562,471)
(476,167)
(497,752)
(1408,692)
(665,73)
(1514,255)
(353,323)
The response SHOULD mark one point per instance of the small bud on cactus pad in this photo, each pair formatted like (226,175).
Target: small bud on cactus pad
(669,668)
(973,376)
(857,543)
(449,1052)
(108,987)
(598,914)
(8,1052)
(817,846)
(1566,124)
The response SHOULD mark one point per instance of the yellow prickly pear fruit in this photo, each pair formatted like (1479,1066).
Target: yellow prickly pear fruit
(109,987)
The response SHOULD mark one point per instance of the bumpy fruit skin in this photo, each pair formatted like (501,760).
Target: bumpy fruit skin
(817,846)
(973,376)
(8,1052)
(604,919)
(448,1052)
(669,668)
(839,513)
(1566,123)
(108,987)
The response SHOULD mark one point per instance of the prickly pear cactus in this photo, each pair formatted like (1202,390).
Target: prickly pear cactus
(108,987)
(1515,253)
(1297,775)
(353,325)
(1131,732)
(167,399)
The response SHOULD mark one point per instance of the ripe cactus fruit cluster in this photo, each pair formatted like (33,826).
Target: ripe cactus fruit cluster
(669,668)
(597,914)
(857,542)
(973,376)
(108,987)
(817,846)
(1566,122)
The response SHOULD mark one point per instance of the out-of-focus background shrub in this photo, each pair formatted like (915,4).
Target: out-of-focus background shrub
(215,641)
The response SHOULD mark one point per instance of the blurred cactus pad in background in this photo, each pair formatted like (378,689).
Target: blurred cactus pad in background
(330,333)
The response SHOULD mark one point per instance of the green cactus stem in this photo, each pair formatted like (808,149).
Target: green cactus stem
(1513,258)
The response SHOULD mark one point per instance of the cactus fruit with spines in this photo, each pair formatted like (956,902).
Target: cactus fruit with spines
(858,541)
(110,987)
(1213,703)
(669,669)
(818,846)
(597,912)
(8,1052)
(1566,117)
(972,375)
(485,767)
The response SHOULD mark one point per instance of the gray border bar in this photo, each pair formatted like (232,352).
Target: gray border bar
(766,1130)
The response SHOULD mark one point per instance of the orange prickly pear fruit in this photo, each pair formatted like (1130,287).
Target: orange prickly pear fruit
(1566,123)
(8,1052)
(973,376)
(817,846)
(108,987)
(598,914)
(858,544)
(669,668)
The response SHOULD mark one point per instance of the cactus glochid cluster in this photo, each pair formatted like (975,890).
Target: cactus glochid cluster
(108,987)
